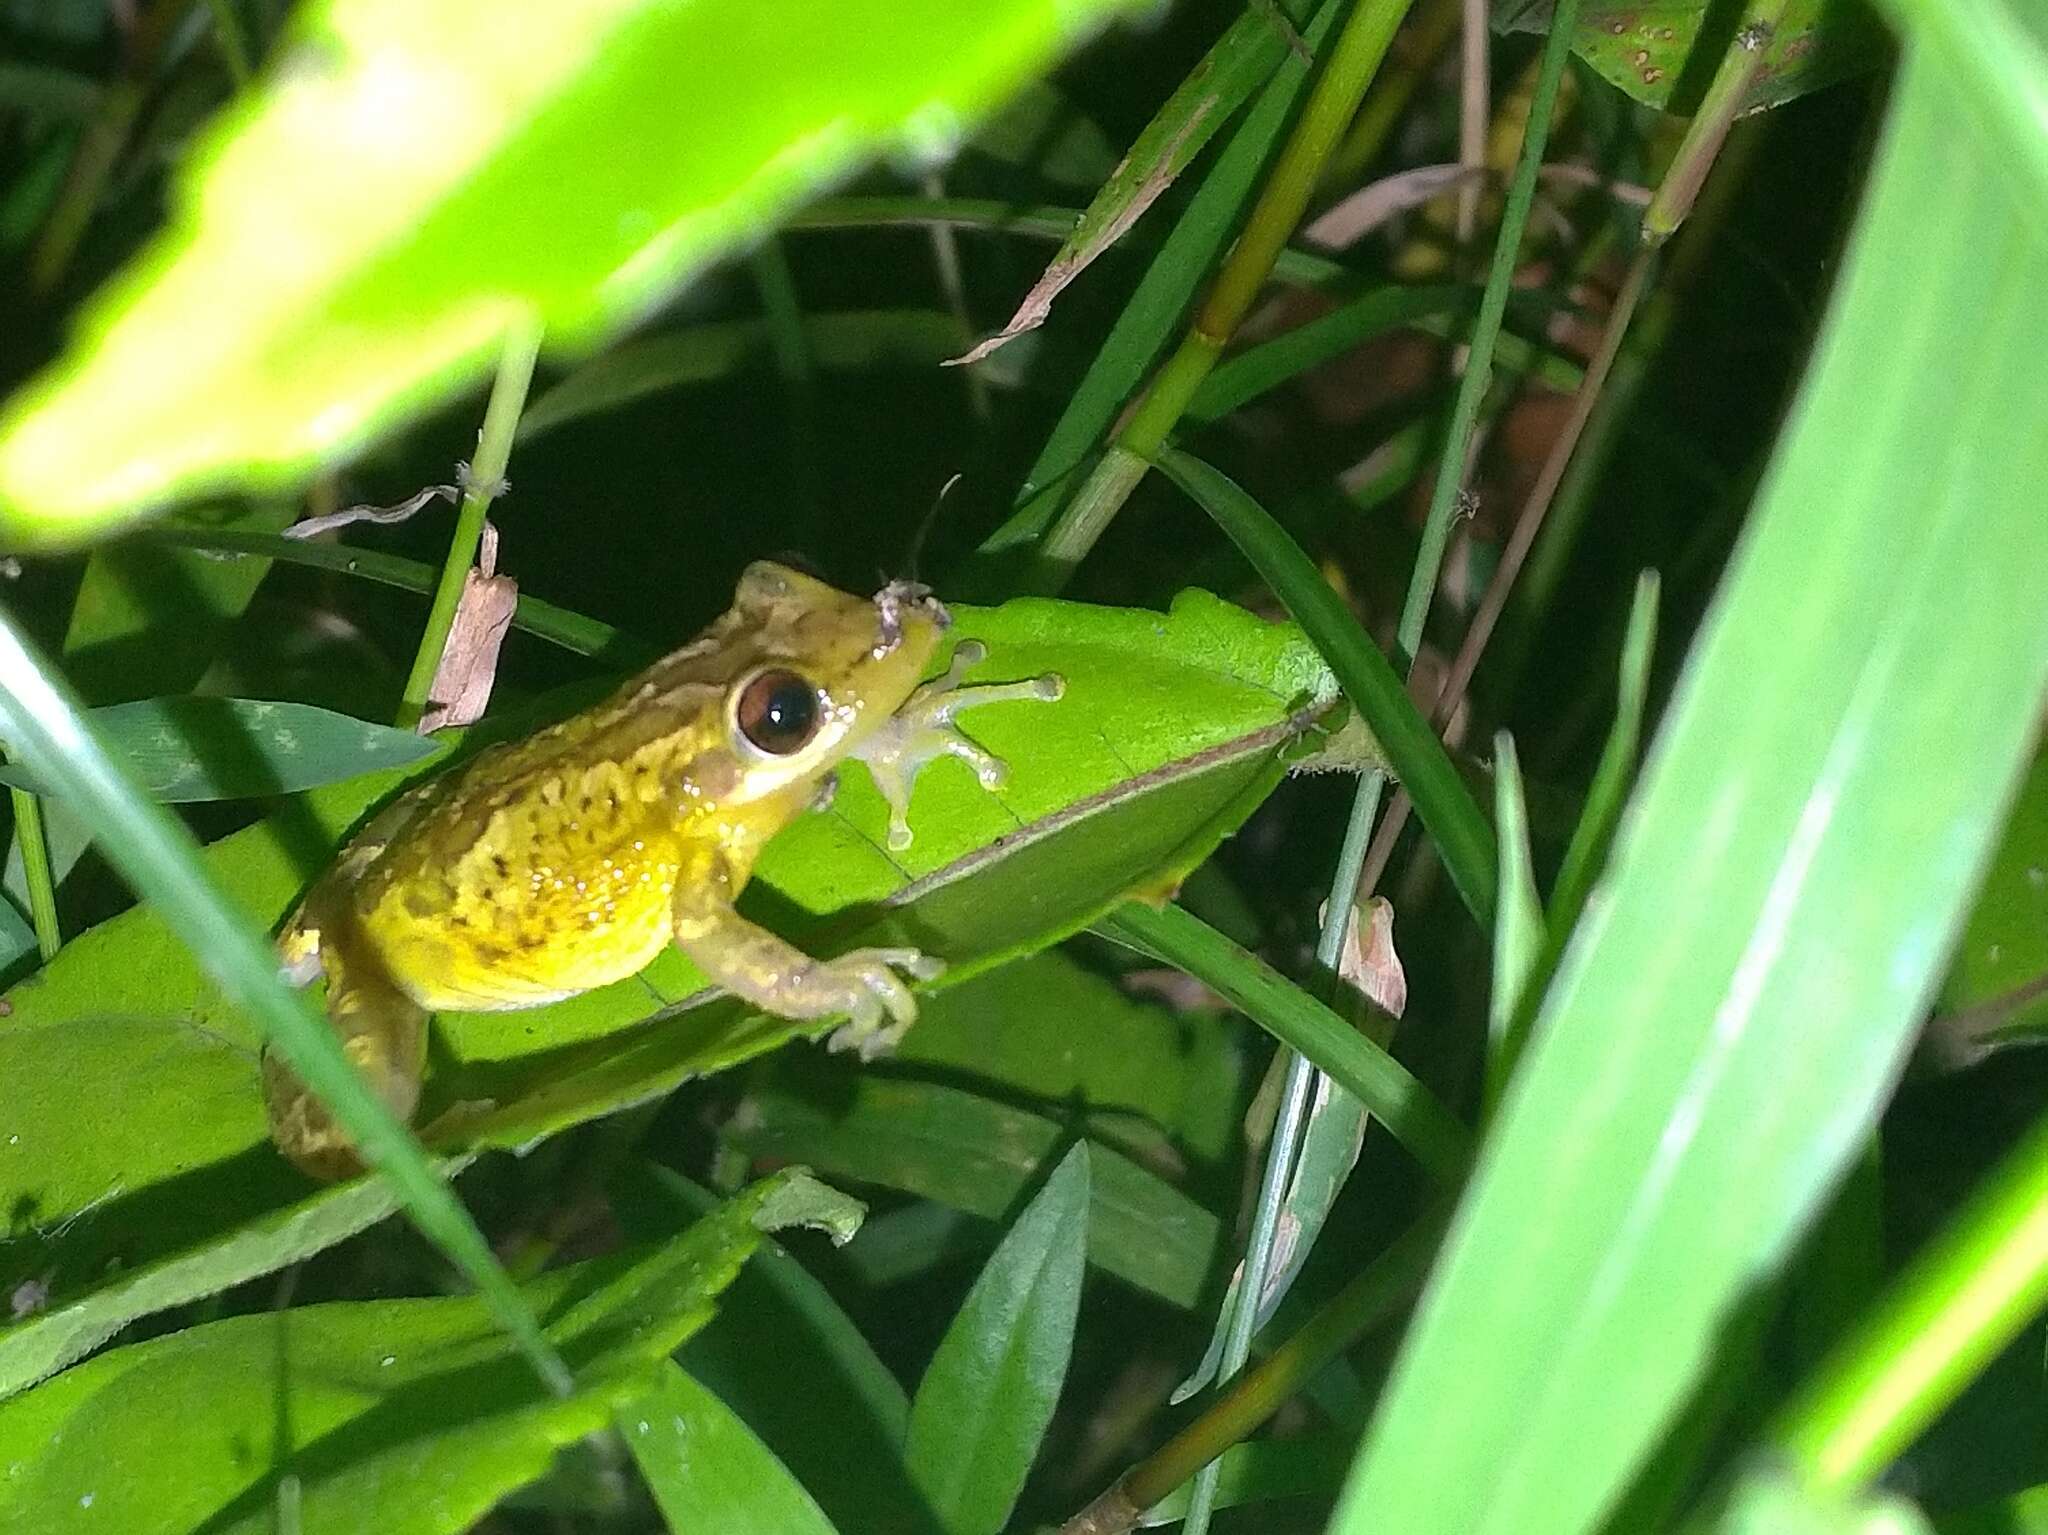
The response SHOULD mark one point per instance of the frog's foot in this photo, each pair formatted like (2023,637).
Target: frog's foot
(923,731)
(870,991)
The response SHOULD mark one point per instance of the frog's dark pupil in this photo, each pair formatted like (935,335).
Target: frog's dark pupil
(778,712)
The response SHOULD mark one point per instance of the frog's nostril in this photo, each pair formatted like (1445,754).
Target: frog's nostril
(891,603)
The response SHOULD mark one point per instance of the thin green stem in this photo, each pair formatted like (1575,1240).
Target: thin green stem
(486,474)
(1354,59)
(1966,1297)
(35,869)
(1258,1258)
(1450,478)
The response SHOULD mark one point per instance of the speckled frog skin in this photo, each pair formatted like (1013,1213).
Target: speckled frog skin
(549,866)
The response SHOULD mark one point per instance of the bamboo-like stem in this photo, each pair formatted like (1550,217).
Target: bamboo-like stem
(1354,59)
(1738,68)
(35,869)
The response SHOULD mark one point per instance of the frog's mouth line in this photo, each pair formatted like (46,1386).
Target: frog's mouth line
(893,600)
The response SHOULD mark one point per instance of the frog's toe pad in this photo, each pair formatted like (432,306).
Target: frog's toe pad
(875,992)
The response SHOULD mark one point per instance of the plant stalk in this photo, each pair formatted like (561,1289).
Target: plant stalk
(35,869)
(1373,1295)
(486,476)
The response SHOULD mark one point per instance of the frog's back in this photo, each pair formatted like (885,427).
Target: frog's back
(542,867)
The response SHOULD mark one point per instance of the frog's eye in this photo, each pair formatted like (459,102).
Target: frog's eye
(777,712)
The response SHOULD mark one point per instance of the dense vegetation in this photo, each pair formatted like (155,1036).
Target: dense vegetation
(1538,511)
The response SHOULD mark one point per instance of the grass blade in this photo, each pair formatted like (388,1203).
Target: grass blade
(987,1398)
(159,858)
(1414,754)
(1729,1019)
(1409,1110)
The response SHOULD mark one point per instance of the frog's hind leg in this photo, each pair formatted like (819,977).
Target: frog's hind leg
(922,731)
(383,1034)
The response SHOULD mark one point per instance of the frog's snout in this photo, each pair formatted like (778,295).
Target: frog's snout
(894,602)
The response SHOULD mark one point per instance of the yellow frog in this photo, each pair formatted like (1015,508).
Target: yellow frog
(549,866)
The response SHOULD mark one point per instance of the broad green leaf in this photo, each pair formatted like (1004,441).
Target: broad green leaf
(186,748)
(989,1392)
(401,1416)
(862,340)
(440,170)
(706,1469)
(974,1154)
(1735,1008)
(1170,732)
(1662,52)
(787,1359)
(156,855)
(1151,1080)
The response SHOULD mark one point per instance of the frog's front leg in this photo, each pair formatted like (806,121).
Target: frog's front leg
(778,977)
(922,730)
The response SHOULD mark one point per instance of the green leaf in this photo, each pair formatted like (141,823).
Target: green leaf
(838,1420)
(1239,63)
(1413,753)
(974,1154)
(1151,1080)
(158,857)
(1734,1010)
(1169,734)
(1154,310)
(402,1416)
(479,165)
(1518,931)
(706,1469)
(1586,856)
(989,1393)
(184,749)
(1410,1112)
(1663,52)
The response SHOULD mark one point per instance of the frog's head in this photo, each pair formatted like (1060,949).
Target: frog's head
(817,670)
